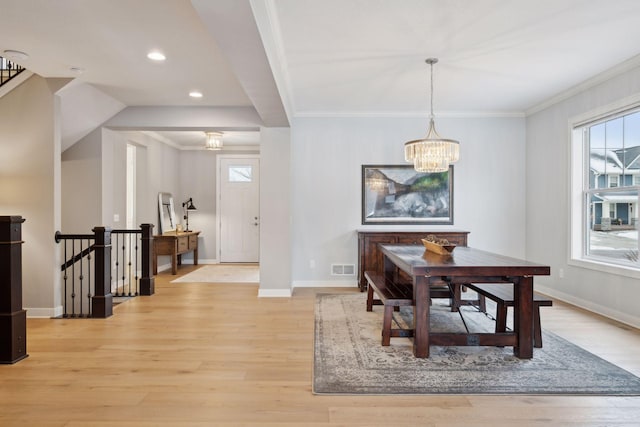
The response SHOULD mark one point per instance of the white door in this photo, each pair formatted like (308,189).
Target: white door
(239,209)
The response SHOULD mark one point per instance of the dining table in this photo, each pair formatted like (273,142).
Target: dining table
(465,265)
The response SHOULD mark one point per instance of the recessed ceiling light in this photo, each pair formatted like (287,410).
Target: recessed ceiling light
(195,94)
(16,55)
(156,56)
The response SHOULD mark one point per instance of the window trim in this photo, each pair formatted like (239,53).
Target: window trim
(579,175)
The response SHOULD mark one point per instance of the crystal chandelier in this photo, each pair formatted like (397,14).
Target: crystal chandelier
(432,153)
(214,141)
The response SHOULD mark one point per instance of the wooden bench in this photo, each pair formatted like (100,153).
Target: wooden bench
(392,295)
(502,294)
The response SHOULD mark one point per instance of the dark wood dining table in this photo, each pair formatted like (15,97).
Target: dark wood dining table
(465,265)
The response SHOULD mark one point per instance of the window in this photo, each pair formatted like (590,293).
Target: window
(606,185)
(240,173)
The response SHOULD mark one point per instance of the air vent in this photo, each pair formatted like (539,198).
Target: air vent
(343,269)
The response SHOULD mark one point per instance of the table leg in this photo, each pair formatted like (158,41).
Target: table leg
(174,264)
(421,296)
(523,316)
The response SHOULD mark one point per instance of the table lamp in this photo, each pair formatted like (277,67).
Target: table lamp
(188,206)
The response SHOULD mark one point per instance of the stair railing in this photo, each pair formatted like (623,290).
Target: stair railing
(89,287)
(8,70)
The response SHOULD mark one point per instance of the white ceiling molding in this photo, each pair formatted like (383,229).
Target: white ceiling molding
(411,114)
(587,84)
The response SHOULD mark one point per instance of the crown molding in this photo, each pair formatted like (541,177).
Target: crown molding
(410,114)
(596,80)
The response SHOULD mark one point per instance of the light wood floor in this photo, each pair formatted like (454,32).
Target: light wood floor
(216,355)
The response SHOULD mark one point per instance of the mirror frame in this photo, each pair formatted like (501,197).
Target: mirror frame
(167,213)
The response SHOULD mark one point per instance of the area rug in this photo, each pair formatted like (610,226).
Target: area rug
(349,359)
(223,273)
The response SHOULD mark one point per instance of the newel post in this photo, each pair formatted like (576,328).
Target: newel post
(13,319)
(147,281)
(102,301)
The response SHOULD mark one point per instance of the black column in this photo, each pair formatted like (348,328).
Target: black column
(102,301)
(13,319)
(147,281)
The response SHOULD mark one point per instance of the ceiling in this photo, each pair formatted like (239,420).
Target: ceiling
(495,56)
(289,58)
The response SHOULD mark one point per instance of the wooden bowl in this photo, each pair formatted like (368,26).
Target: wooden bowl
(438,249)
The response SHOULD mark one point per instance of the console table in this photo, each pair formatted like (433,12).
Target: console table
(370,257)
(175,244)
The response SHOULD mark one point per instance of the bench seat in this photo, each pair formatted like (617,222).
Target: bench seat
(392,295)
(502,294)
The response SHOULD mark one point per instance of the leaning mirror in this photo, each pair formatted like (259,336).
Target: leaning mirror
(167,213)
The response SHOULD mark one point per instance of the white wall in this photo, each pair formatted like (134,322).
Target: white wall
(326,159)
(547,226)
(29,175)
(275,212)
(81,185)
(198,181)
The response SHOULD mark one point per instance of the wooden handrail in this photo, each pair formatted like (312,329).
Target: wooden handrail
(8,70)
(100,244)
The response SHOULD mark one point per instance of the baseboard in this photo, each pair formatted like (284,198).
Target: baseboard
(36,313)
(274,293)
(616,315)
(324,284)
(206,261)
(189,261)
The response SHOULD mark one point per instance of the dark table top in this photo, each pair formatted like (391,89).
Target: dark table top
(463,261)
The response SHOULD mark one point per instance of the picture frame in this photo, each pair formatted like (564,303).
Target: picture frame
(166,213)
(398,194)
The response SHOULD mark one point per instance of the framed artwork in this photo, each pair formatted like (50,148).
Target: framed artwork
(397,194)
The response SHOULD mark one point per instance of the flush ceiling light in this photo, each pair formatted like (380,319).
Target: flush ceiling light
(214,141)
(15,55)
(432,153)
(195,94)
(156,56)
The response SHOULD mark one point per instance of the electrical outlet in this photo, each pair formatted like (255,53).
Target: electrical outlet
(561,273)
(312,263)
(116,218)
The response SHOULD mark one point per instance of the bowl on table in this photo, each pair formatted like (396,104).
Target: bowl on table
(438,248)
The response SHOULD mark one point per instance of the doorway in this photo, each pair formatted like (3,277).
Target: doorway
(238,208)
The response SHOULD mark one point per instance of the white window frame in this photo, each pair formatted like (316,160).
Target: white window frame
(579,181)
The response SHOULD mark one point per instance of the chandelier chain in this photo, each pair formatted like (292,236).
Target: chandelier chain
(431,93)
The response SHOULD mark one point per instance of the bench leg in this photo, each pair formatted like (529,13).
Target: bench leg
(369,297)
(501,318)
(386,325)
(537,331)
(501,323)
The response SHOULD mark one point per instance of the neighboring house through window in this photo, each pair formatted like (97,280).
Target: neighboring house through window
(605,186)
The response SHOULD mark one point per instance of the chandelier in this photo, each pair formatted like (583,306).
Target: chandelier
(432,153)
(214,141)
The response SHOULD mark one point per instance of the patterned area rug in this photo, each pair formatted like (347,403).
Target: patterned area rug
(223,273)
(350,360)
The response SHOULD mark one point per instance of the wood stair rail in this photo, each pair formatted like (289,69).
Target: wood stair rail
(101,301)
(8,70)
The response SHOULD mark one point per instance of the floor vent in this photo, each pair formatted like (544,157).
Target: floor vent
(343,269)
